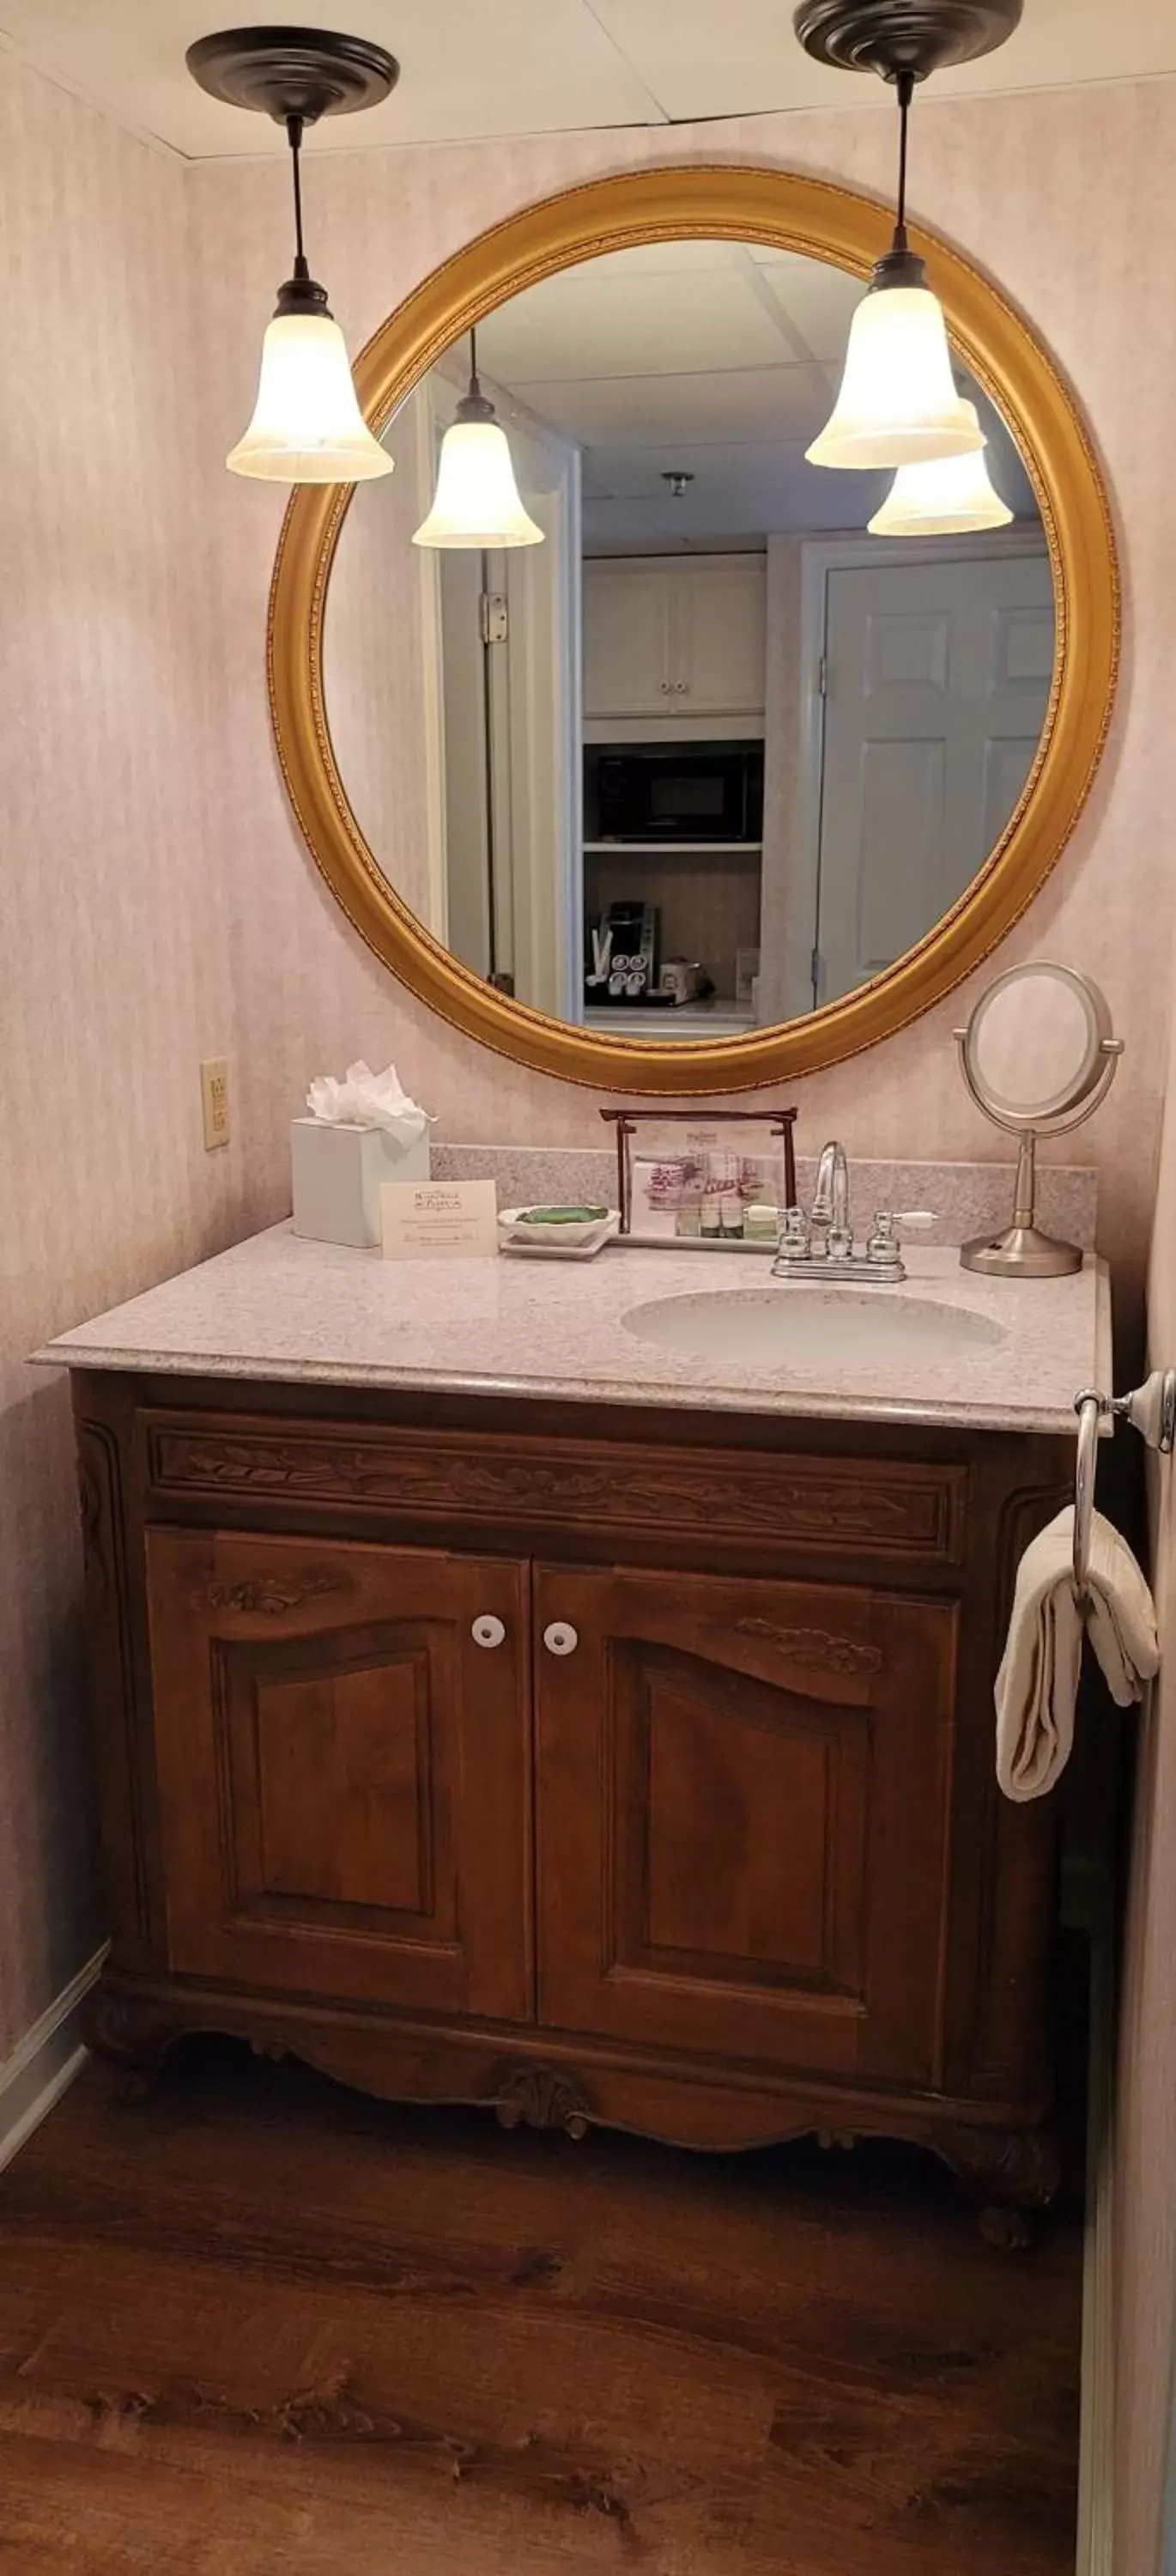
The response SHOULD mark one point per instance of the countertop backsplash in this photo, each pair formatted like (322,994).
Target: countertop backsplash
(966,1198)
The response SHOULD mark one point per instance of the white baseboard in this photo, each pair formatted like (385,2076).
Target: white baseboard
(44,2063)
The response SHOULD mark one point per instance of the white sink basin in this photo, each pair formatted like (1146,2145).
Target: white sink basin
(788,1330)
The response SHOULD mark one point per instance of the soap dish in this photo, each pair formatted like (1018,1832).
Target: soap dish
(575,1241)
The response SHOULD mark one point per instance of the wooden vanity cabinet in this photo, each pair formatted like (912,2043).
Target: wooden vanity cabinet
(743,1811)
(594,1763)
(343,1776)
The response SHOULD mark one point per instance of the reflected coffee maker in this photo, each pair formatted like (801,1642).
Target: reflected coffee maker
(623,948)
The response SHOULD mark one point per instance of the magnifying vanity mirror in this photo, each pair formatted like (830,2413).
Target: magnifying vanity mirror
(702,783)
(1038,1058)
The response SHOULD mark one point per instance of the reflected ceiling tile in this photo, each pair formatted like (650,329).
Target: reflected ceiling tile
(643,411)
(739,494)
(637,471)
(658,259)
(819,302)
(623,527)
(584,324)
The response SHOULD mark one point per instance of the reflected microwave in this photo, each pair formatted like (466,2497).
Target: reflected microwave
(683,791)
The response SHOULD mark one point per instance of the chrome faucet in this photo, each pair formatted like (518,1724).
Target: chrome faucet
(830,1209)
(834,1260)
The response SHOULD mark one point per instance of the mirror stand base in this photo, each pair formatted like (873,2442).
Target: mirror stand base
(1023,1252)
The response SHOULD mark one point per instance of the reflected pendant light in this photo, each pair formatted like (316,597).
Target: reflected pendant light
(477,501)
(950,497)
(898,403)
(307,426)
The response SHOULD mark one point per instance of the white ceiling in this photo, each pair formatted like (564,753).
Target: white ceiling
(717,359)
(496,67)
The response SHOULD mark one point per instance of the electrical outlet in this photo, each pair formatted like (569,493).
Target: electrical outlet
(214,1097)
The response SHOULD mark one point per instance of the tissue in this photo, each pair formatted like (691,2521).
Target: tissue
(367,1099)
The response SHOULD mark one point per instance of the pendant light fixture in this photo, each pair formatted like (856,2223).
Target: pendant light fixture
(950,497)
(307,426)
(477,501)
(898,403)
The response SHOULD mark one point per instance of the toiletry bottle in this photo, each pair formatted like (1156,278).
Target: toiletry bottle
(693,1192)
(657,1192)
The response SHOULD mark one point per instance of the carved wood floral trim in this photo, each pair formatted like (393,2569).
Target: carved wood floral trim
(268,1598)
(815,1648)
(909,1511)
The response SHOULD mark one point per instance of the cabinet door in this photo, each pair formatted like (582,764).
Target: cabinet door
(627,640)
(719,641)
(343,1769)
(742,1817)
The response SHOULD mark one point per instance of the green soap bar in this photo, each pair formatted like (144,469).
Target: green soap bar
(560,1216)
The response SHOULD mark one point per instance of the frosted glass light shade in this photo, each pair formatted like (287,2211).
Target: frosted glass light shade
(477,501)
(946,498)
(898,403)
(307,426)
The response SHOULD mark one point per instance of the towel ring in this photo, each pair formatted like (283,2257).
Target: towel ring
(1151,1410)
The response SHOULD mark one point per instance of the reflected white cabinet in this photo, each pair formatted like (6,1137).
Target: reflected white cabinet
(628,639)
(674,636)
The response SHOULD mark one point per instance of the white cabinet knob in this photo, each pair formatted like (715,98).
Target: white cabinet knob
(488,1631)
(560,1638)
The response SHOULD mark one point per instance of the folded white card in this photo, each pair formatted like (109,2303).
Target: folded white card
(432,1220)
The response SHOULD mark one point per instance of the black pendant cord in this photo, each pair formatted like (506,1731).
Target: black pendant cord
(473,405)
(488,776)
(906,91)
(294,132)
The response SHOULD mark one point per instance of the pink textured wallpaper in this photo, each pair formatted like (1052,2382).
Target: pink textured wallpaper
(1090,273)
(114,975)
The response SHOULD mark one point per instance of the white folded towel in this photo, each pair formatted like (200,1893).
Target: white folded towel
(1037,1685)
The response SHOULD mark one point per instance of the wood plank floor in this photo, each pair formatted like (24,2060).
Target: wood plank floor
(263,2327)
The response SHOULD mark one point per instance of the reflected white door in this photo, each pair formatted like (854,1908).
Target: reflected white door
(937,678)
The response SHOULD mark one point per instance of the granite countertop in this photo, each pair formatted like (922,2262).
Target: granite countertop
(278,1307)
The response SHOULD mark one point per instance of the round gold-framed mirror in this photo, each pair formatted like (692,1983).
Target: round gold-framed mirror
(801,219)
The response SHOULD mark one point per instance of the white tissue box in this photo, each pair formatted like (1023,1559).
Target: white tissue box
(338,1174)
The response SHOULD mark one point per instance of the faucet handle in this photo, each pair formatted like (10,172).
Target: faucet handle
(795,1235)
(885,1242)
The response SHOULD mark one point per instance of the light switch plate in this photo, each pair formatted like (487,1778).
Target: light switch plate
(214,1097)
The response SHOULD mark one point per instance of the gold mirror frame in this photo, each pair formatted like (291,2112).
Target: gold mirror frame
(792,213)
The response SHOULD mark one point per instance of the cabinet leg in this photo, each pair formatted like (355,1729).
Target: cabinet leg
(542,2097)
(1011,2174)
(1010,2229)
(131,2034)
